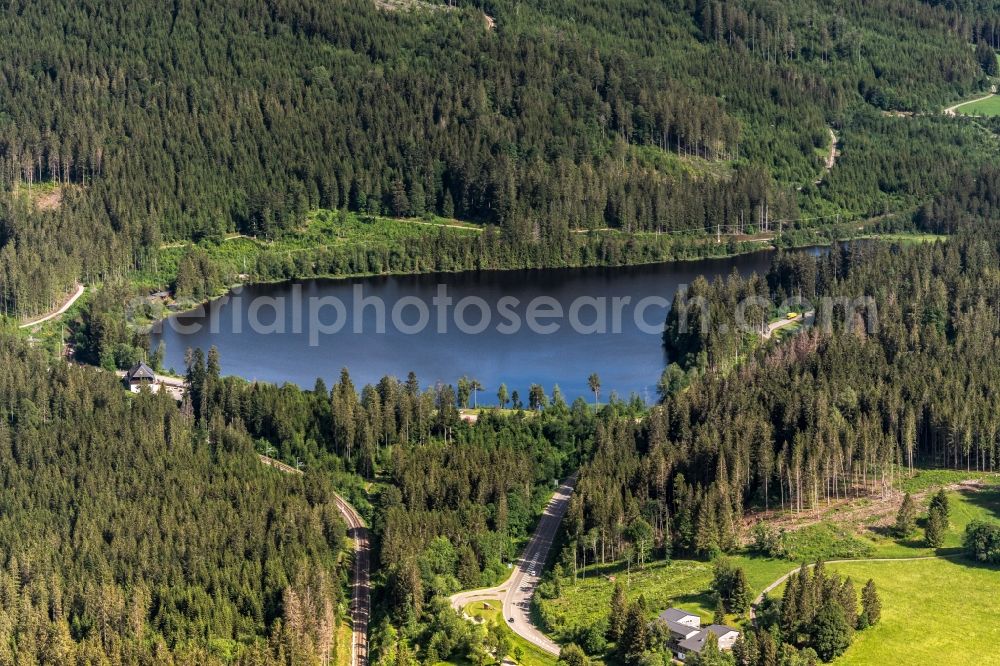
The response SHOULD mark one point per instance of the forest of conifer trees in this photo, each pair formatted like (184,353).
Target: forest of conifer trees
(137,530)
(152,124)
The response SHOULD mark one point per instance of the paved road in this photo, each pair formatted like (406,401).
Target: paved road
(65,306)
(517,590)
(806,319)
(361,579)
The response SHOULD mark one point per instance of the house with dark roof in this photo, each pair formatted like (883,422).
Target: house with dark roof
(687,634)
(139,375)
(682,625)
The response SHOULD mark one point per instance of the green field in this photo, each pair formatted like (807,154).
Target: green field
(680,583)
(933,612)
(987,107)
(686,583)
(930,478)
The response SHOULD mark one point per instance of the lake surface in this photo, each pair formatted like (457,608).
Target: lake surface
(296,332)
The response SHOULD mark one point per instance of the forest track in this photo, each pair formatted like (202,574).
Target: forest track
(831,159)
(61,310)
(361,578)
(782,579)
(517,590)
(952,110)
(463,227)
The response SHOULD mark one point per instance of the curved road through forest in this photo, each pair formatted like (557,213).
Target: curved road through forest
(52,315)
(517,590)
(361,578)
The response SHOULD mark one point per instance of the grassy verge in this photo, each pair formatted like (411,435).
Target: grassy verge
(344,639)
(905,238)
(524,653)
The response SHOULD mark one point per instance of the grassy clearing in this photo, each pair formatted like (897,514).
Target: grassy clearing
(489,611)
(681,583)
(986,107)
(691,165)
(933,612)
(906,238)
(926,479)
(825,541)
(323,229)
(848,532)
(44,196)
(967,504)
(861,527)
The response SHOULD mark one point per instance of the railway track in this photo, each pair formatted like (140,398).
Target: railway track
(361,578)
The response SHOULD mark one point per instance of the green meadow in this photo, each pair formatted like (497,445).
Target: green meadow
(986,107)
(940,610)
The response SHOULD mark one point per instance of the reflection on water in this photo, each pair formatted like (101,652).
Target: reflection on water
(294,343)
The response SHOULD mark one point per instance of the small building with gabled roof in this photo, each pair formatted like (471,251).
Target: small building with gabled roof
(139,375)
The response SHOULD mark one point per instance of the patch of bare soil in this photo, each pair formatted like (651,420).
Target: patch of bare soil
(50,200)
(407,5)
(423,5)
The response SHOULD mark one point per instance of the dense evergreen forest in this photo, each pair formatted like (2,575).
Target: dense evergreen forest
(795,424)
(136,531)
(906,380)
(144,122)
(130,535)
(451,502)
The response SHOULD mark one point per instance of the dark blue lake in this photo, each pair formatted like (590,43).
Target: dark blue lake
(499,326)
